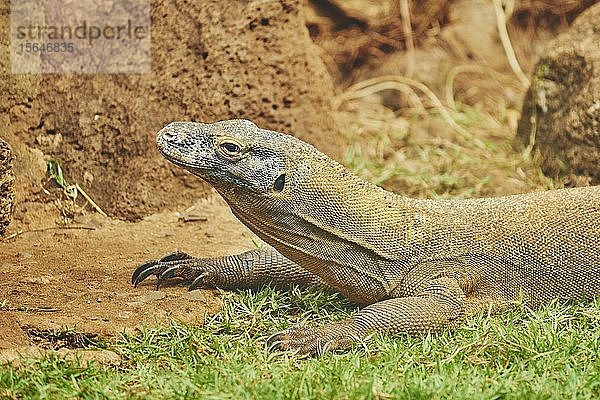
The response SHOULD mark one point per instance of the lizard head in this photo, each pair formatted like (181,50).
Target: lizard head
(287,192)
(234,156)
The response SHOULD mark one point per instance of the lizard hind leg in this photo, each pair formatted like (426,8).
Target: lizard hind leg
(437,306)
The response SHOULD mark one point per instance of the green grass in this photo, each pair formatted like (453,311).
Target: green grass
(549,353)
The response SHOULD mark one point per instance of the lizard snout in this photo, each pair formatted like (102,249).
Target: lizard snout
(167,135)
(173,133)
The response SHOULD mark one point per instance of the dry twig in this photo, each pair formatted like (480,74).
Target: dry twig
(408,37)
(467,68)
(505,39)
(374,85)
(50,228)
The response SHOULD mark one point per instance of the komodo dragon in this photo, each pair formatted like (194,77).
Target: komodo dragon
(416,265)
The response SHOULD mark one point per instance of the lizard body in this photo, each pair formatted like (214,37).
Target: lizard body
(416,265)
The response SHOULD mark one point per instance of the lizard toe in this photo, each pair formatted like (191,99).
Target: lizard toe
(181,267)
(313,341)
(173,265)
(144,271)
(167,274)
(198,282)
(175,256)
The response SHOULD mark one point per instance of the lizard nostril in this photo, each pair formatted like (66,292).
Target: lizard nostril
(170,136)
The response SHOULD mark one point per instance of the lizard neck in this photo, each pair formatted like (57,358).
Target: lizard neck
(335,225)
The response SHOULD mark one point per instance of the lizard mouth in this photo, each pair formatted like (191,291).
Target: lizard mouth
(178,159)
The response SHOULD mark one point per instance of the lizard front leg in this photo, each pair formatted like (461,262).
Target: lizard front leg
(438,305)
(250,269)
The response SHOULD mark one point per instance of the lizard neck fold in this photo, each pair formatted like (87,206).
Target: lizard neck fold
(335,225)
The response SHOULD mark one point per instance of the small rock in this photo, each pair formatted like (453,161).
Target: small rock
(39,279)
(192,217)
(152,296)
(24,256)
(124,315)
(88,178)
(194,295)
(13,357)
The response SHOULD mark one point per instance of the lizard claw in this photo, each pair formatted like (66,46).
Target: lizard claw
(197,283)
(166,274)
(272,343)
(175,256)
(143,271)
(175,265)
(314,341)
(152,267)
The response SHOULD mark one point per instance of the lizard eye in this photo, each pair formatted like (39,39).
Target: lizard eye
(230,148)
(279,183)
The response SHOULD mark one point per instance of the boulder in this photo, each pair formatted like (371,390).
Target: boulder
(560,119)
(7,178)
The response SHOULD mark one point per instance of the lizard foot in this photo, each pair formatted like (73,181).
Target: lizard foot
(315,341)
(173,265)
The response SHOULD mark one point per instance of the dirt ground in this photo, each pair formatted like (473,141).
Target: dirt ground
(80,278)
(77,275)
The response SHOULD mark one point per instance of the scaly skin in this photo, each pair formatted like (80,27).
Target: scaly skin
(416,265)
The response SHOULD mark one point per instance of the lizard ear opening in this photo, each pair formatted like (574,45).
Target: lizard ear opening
(279,183)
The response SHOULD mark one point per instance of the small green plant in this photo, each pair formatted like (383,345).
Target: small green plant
(55,173)
(542,71)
